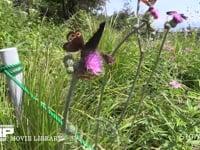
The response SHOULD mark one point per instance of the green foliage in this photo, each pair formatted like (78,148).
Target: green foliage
(167,119)
(61,8)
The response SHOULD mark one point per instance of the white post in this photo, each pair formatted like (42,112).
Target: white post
(10,56)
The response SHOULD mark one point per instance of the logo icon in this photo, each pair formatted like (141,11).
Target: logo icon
(5,130)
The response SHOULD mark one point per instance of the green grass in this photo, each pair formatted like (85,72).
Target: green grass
(168,118)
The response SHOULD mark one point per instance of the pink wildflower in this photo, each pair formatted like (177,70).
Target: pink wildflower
(169,48)
(154,12)
(177,17)
(175,84)
(93,63)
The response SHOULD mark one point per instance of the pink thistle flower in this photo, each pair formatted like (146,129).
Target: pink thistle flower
(154,12)
(176,16)
(169,48)
(176,19)
(93,62)
(150,15)
(175,84)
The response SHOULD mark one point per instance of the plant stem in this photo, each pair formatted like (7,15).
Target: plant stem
(126,37)
(133,84)
(148,81)
(138,8)
(99,109)
(65,114)
(105,80)
(137,72)
(67,104)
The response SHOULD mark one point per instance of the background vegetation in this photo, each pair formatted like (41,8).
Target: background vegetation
(167,119)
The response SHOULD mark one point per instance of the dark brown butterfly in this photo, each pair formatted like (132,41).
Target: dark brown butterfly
(76,42)
(149,2)
(93,42)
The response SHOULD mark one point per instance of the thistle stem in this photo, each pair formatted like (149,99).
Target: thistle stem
(133,83)
(99,109)
(126,37)
(138,7)
(105,81)
(137,72)
(148,81)
(67,104)
(69,96)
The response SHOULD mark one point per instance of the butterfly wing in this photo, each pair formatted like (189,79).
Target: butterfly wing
(170,12)
(183,16)
(152,2)
(75,42)
(94,40)
(149,2)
